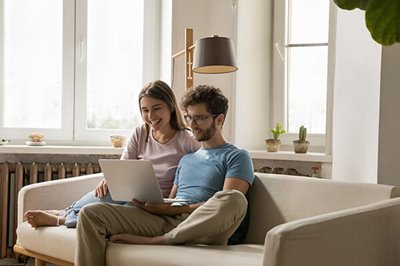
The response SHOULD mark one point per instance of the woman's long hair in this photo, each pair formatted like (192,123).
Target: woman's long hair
(161,91)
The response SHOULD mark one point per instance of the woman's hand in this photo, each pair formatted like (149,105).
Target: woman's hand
(101,189)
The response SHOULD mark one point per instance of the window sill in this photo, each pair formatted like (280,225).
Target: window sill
(291,156)
(52,149)
(106,150)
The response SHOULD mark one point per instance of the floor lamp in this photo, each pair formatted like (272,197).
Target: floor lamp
(211,55)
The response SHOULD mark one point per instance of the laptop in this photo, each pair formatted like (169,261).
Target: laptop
(133,179)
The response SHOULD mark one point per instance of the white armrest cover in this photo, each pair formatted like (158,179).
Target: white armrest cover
(361,236)
(56,194)
(279,199)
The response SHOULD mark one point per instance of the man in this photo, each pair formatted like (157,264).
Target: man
(214,179)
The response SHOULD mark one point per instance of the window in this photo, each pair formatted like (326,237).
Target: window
(73,69)
(301,36)
(33,64)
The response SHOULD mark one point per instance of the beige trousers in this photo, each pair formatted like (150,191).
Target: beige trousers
(212,223)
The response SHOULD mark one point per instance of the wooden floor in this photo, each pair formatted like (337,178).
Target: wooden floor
(14,262)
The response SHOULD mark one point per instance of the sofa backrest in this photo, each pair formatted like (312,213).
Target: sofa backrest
(276,199)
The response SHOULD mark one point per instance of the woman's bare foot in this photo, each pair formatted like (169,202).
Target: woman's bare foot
(42,218)
(134,239)
(55,212)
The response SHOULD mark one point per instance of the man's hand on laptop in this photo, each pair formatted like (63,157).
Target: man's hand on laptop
(101,189)
(165,208)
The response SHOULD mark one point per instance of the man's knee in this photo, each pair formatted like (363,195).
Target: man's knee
(89,211)
(232,199)
(232,195)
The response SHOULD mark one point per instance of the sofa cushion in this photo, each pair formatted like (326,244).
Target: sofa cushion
(59,241)
(126,255)
(53,241)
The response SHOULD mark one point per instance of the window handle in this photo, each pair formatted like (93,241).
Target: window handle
(278,49)
(81,47)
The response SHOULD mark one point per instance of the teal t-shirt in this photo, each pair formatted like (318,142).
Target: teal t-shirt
(202,173)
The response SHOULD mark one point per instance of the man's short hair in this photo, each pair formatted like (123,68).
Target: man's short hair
(212,97)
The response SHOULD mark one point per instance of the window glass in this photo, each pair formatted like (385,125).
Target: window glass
(114,63)
(309,21)
(307,64)
(307,76)
(33,47)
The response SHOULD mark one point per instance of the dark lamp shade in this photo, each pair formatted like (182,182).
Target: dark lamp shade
(214,55)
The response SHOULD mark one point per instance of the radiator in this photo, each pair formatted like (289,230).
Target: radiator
(13,176)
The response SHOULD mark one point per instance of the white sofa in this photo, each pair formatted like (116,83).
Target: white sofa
(294,221)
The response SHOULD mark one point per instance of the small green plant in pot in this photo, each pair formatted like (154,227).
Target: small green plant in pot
(301,145)
(274,144)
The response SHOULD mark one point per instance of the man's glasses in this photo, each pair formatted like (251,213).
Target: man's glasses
(198,119)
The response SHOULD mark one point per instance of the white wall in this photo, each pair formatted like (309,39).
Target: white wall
(389,127)
(253,84)
(248,90)
(356,90)
(356,100)
(207,18)
(166,40)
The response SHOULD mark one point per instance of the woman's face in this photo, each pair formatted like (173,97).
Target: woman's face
(155,113)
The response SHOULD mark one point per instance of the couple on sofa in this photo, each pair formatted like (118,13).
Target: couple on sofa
(214,178)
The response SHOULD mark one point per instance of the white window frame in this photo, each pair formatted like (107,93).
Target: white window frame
(279,78)
(73,130)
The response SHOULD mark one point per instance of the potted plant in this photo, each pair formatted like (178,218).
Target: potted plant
(301,145)
(274,144)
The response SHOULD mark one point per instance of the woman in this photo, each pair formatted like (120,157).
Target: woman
(162,139)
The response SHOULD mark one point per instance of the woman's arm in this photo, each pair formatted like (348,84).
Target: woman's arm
(172,194)
(132,148)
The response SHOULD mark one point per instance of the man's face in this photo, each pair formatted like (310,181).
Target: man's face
(201,122)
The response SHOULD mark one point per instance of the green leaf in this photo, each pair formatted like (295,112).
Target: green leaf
(383,20)
(351,4)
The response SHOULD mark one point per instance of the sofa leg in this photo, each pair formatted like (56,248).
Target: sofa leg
(39,262)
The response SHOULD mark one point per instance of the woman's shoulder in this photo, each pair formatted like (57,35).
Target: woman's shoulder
(185,133)
(139,133)
(188,137)
(139,130)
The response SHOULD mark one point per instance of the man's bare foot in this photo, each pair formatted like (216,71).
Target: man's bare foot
(134,239)
(42,218)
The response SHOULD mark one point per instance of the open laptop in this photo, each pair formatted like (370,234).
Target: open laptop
(132,179)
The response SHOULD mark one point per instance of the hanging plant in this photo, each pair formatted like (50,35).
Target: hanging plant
(382,18)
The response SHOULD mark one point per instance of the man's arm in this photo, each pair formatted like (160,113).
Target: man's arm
(237,184)
(165,208)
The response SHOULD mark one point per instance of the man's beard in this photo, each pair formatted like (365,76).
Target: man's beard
(207,133)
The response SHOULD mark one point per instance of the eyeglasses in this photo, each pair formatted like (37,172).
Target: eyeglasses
(198,119)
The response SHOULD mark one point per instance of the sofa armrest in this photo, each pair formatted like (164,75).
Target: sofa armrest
(361,236)
(55,194)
